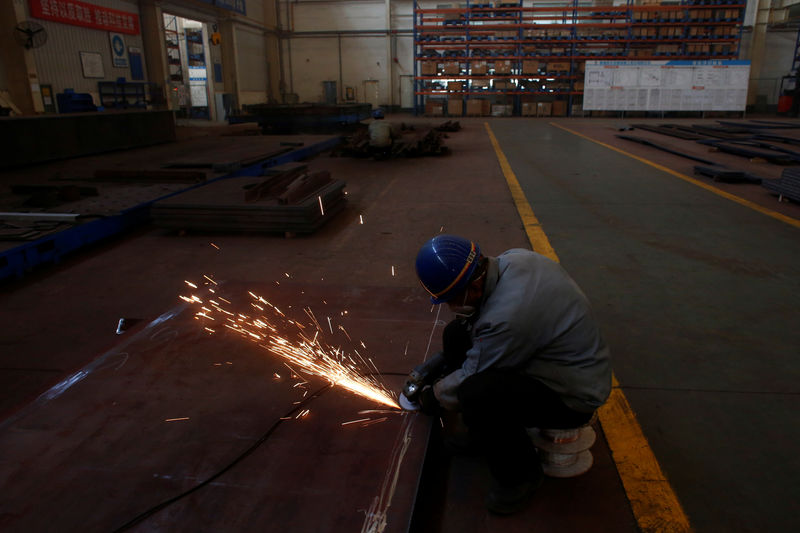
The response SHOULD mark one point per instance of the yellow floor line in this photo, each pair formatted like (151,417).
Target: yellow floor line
(536,235)
(654,503)
(739,200)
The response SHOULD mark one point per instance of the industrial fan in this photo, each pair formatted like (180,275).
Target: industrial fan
(30,34)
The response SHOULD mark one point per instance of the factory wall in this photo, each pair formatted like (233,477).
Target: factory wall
(58,61)
(777,63)
(252,65)
(353,43)
(357,44)
(248,55)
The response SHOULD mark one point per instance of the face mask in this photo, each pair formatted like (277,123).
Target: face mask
(463,311)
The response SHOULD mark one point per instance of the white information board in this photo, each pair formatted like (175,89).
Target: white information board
(197,86)
(713,85)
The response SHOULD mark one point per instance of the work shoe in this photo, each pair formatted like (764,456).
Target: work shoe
(509,499)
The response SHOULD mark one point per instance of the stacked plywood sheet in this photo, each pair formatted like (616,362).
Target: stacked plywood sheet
(294,201)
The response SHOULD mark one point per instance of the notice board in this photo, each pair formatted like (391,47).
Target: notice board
(710,85)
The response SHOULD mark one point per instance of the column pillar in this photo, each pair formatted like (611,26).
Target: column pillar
(230,69)
(151,24)
(22,79)
(757,48)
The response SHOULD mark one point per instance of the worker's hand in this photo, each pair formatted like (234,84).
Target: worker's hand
(428,404)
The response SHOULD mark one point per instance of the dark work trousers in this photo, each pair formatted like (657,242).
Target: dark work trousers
(497,406)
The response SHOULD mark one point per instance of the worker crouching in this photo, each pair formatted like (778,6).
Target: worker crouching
(523,352)
(381,135)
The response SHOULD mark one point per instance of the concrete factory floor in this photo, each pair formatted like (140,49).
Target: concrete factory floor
(696,294)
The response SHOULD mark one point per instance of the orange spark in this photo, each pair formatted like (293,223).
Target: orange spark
(310,356)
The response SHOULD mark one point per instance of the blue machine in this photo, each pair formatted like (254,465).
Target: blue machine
(71,102)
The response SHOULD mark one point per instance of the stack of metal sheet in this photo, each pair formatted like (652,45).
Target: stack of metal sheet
(788,186)
(295,201)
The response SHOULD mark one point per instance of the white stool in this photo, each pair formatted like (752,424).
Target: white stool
(564,452)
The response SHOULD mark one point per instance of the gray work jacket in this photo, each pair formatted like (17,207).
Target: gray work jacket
(534,318)
(381,133)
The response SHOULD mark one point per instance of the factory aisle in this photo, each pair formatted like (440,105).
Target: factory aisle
(697,296)
(136,420)
(692,291)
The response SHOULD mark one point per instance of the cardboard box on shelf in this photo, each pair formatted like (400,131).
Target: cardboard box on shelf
(506,35)
(560,108)
(663,49)
(503,85)
(476,107)
(558,66)
(455,107)
(544,109)
(479,68)
(530,66)
(528,109)
(535,34)
(428,68)
(455,85)
(502,66)
(434,108)
(452,67)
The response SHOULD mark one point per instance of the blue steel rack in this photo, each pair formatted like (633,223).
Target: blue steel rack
(637,29)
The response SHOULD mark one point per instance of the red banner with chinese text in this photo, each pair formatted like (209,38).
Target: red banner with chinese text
(85,14)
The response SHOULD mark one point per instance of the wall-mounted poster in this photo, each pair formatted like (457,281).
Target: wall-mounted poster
(92,65)
(703,85)
(118,57)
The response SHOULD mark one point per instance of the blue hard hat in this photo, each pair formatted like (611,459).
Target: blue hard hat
(445,265)
(378,113)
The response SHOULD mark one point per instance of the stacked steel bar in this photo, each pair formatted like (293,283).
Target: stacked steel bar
(294,201)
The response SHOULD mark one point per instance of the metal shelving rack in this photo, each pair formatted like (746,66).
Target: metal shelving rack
(172,42)
(122,94)
(541,47)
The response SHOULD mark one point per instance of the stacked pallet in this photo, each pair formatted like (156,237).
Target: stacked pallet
(292,201)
